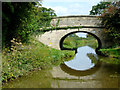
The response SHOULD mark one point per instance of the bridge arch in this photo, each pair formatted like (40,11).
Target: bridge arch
(96,37)
(61,26)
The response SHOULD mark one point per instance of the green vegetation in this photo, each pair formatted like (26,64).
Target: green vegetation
(73,41)
(26,57)
(113,54)
(111,21)
(92,57)
(21,19)
(21,53)
(110,16)
(99,8)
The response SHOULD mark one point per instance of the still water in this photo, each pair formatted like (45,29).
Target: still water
(84,71)
(82,60)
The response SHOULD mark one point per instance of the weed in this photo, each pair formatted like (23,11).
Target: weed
(21,59)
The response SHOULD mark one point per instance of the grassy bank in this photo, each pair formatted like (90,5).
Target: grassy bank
(113,55)
(21,59)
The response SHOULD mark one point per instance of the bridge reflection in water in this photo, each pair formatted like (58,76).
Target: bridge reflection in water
(82,59)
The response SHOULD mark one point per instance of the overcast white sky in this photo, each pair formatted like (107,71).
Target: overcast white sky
(70,7)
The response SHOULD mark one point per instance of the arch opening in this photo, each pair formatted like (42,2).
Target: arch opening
(64,37)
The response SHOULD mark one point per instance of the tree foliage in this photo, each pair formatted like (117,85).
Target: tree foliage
(45,16)
(21,19)
(99,8)
(111,20)
(110,16)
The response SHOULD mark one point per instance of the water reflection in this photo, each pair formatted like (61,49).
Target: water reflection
(100,75)
(85,59)
(80,73)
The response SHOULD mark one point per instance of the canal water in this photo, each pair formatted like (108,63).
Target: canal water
(84,71)
(82,59)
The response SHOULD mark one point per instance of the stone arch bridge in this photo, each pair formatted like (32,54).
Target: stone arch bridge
(67,24)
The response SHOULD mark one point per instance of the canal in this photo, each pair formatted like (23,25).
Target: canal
(84,71)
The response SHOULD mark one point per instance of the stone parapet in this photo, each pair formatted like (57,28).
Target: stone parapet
(76,20)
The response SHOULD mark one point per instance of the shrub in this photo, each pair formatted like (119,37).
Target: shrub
(21,59)
(111,20)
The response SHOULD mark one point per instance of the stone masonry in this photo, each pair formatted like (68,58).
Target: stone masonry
(52,38)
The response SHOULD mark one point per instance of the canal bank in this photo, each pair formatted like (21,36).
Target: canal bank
(24,58)
(100,75)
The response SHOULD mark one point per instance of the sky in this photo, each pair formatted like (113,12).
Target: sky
(70,7)
(81,34)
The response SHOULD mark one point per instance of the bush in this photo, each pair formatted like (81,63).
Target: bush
(21,59)
(111,20)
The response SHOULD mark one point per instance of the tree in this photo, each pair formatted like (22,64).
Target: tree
(13,14)
(99,8)
(110,16)
(111,20)
(45,16)
(21,19)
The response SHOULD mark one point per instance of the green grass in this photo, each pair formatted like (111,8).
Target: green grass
(115,52)
(34,55)
(113,55)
